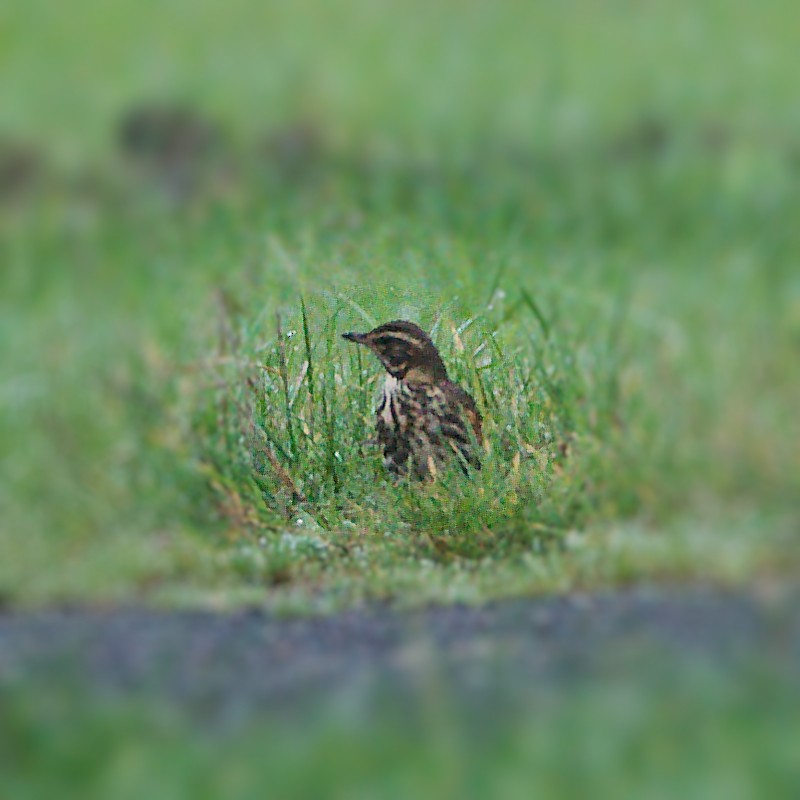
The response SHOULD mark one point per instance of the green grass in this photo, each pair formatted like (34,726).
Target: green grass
(601,237)
(695,732)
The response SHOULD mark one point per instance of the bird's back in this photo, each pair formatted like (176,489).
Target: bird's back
(422,426)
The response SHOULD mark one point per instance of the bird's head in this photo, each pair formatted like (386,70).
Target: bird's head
(405,350)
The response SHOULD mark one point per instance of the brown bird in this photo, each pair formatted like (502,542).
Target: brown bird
(423,418)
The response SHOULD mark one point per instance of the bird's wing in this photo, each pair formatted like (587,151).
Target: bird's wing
(458,398)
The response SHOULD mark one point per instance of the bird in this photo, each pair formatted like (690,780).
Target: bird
(423,419)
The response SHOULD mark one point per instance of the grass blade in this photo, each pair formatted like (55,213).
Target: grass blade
(283,371)
(536,311)
(309,360)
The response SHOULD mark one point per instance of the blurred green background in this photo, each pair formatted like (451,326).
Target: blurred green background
(691,732)
(174,174)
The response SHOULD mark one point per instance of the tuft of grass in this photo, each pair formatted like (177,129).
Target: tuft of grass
(286,434)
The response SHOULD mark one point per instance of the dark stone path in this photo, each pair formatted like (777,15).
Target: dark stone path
(250,660)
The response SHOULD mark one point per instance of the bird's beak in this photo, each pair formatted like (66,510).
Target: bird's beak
(359,338)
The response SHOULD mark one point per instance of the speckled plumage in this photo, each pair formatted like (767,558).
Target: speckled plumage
(423,419)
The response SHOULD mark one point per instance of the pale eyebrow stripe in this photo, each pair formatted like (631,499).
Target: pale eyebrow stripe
(403,337)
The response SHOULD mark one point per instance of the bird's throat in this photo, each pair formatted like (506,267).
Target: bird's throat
(390,389)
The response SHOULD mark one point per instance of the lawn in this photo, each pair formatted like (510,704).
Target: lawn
(689,732)
(591,206)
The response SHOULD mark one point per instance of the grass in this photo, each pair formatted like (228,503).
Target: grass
(601,239)
(710,736)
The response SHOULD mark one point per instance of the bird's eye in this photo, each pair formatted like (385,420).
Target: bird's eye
(392,352)
(396,355)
